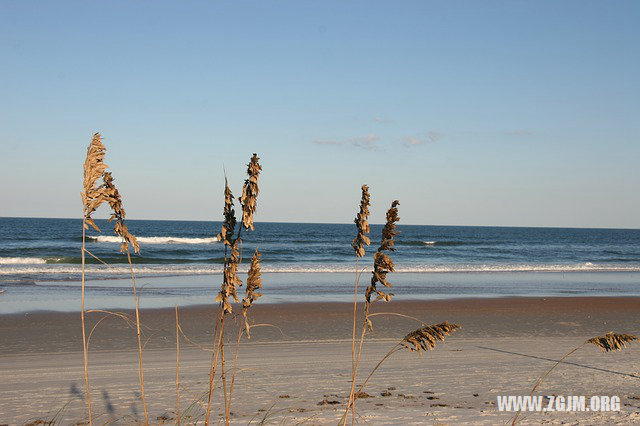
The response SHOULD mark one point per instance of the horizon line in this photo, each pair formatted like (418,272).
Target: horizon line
(342,223)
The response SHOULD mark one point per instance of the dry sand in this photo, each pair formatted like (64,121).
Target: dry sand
(301,373)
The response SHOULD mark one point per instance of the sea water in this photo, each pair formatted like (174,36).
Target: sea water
(181,261)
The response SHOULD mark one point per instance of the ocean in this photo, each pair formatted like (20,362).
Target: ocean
(180,262)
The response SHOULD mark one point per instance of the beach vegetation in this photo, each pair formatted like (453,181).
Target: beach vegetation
(608,342)
(231,281)
(99,188)
(419,340)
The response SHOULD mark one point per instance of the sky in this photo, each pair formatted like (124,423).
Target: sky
(507,113)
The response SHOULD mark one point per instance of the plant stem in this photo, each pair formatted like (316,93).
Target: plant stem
(137,305)
(353,379)
(177,368)
(214,362)
(351,402)
(391,352)
(353,336)
(544,376)
(233,375)
(223,374)
(357,363)
(398,315)
(85,349)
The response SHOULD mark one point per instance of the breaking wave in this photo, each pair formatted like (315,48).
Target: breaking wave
(22,261)
(47,269)
(431,243)
(155,240)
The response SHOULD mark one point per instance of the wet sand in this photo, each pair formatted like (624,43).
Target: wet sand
(505,344)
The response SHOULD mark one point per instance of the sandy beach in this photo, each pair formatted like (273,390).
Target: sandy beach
(456,182)
(300,371)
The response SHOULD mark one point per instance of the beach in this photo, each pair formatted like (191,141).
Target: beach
(298,369)
(524,298)
(319,213)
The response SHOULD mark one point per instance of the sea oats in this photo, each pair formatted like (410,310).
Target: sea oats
(94,167)
(382,263)
(612,341)
(254,282)
(362,224)
(230,280)
(229,213)
(422,339)
(425,338)
(112,196)
(250,192)
(607,343)
(92,197)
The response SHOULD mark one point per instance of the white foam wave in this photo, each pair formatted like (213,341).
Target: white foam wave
(22,261)
(586,267)
(159,240)
(430,243)
(198,269)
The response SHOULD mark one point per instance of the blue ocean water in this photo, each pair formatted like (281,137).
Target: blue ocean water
(50,248)
(40,261)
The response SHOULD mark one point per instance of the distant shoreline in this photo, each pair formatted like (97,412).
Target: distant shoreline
(258,223)
(159,292)
(505,316)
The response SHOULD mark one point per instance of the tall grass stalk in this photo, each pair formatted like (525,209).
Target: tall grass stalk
(358,244)
(422,339)
(215,353)
(607,343)
(139,337)
(223,377)
(85,350)
(231,281)
(382,265)
(254,283)
(127,240)
(177,368)
(227,408)
(92,198)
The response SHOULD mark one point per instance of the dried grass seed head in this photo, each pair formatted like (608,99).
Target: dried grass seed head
(112,196)
(230,279)
(93,196)
(389,231)
(612,341)
(382,263)
(254,283)
(362,224)
(425,338)
(250,191)
(229,223)
(94,167)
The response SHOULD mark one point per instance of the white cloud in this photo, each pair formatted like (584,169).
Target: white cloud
(423,138)
(434,136)
(413,141)
(369,142)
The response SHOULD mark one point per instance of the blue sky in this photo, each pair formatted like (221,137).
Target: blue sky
(470,113)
